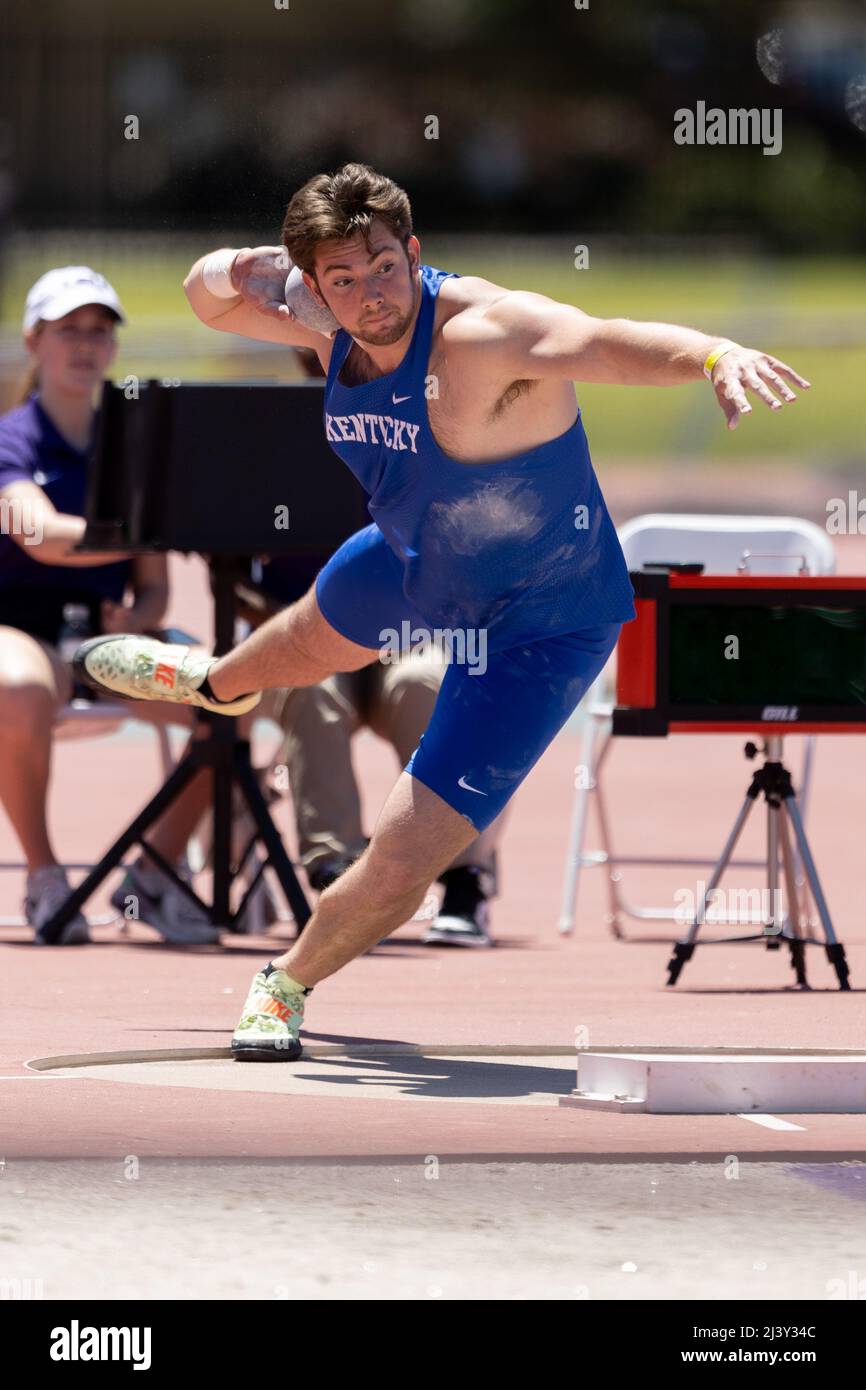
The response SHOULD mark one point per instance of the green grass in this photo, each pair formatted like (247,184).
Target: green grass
(150,286)
(811,313)
(824,427)
(647,287)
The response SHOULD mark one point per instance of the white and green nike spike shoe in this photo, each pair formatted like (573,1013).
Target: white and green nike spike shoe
(271,1019)
(142,668)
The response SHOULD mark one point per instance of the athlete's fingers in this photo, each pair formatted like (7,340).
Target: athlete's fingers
(754,383)
(261,278)
(766,371)
(731,413)
(276,309)
(789,372)
(733,401)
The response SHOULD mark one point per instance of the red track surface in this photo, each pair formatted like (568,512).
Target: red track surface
(535,988)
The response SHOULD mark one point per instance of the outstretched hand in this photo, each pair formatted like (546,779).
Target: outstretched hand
(744,369)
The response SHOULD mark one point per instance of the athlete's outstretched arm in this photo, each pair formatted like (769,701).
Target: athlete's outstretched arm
(258,308)
(536,337)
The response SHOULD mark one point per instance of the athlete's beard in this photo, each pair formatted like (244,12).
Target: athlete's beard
(389,333)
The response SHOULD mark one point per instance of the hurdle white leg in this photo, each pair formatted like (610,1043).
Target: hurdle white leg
(596,725)
(803,798)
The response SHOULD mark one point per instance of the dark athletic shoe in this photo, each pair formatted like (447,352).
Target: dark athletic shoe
(47,890)
(271,1019)
(464,917)
(326,872)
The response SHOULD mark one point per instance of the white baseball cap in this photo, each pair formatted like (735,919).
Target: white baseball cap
(58,292)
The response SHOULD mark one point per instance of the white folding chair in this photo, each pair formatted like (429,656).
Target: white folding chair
(94,719)
(724,545)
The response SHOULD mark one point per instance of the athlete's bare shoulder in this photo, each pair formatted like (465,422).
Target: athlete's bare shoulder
(467,292)
(482,314)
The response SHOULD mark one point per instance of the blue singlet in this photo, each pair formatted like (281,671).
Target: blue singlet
(516,562)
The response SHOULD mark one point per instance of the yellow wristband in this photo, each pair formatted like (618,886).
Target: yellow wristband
(717,352)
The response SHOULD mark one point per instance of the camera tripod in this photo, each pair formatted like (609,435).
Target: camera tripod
(773,781)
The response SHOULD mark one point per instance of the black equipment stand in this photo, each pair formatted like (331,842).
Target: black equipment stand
(232,471)
(773,781)
(228,758)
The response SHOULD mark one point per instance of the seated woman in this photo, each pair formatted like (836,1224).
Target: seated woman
(69,330)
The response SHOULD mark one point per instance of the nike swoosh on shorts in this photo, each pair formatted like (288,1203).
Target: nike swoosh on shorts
(465,785)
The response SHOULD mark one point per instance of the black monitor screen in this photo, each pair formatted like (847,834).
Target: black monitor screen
(792,654)
(225,468)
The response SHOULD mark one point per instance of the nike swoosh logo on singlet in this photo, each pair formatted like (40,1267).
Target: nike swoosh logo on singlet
(397,400)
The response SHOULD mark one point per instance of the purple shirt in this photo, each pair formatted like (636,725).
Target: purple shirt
(33,450)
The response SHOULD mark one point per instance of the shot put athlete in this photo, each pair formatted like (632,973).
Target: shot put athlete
(452,400)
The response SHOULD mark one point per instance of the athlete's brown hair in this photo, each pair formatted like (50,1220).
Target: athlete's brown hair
(336,207)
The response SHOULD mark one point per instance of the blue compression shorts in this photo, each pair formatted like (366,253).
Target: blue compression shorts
(489,726)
